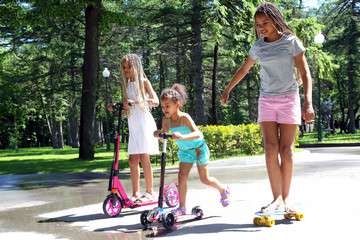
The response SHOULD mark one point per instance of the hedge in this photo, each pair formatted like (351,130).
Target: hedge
(226,141)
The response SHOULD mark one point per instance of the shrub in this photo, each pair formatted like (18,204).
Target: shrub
(224,141)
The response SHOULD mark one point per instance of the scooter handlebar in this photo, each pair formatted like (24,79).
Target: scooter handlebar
(165,135)
(118,106)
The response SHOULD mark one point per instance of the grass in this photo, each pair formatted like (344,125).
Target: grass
(49,160)
(312,137)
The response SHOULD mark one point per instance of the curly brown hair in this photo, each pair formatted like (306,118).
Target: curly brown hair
(177,93)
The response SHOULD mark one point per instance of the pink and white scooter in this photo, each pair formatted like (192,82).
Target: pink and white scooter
(117,199)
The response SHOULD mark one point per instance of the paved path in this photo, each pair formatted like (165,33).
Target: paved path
(69,206)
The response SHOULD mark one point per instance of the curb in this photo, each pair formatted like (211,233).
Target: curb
(315,145)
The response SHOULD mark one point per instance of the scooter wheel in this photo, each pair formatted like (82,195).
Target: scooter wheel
(172,196)
(198,212)
(168,220)
(110,209)
(143,218)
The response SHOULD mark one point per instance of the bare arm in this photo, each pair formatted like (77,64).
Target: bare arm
(239,75)
(307,109)
(195,132)
(153,99)
(165,129)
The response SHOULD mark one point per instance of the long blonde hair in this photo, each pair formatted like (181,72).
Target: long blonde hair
(139,77)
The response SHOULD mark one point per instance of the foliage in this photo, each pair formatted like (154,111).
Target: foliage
(42,44)
(226,141)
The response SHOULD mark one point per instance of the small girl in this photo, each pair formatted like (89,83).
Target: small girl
(137,89)
(191,143)
(279,111)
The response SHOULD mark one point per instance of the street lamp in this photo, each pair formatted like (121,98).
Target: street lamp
(106,74)
(319,39)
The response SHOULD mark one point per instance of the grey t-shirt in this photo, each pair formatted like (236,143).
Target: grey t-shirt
(277,64)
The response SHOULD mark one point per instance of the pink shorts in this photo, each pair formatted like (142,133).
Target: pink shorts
(281,109)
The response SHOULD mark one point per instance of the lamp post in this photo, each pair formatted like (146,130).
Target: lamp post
(319,39)
(106,74)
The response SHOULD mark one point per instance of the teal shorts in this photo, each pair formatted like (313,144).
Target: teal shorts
(189,156)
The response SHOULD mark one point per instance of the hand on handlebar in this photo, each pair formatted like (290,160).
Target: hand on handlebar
(176,135)
(162,135)
(110,106)
(130,103)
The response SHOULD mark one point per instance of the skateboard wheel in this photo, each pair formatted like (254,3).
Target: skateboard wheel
(299,216)
(270,222)
(257,221)
(288,216)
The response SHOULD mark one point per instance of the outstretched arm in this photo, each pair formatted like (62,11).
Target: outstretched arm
(239,75)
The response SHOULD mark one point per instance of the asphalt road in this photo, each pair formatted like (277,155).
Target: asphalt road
(69,206)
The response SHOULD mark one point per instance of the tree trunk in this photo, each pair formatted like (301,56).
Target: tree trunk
(196,58)
(99,133)
(351,72)
(214,79)
(60,135)
(90,81)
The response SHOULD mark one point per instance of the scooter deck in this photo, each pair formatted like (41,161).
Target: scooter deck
(186,217)
(265,217)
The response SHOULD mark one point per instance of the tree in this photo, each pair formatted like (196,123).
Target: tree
(341,18)
(90,81)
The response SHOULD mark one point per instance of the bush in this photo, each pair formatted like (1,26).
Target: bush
(225,141)
(233,139)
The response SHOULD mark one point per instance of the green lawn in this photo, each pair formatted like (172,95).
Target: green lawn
(312,137)
(48,160)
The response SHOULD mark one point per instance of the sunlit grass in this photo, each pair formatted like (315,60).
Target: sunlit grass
(312,137)
(48,160)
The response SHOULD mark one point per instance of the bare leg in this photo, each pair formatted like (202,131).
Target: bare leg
(135,174)
(211,181)
(270,134)
(287,140)
(148,172)
(184,170)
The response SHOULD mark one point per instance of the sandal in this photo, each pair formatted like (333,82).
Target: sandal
(145,198)
(132,199)
(179,211)
(290,209)
(226,201)
(272,208)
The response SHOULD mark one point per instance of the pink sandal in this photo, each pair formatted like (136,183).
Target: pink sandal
(225,202)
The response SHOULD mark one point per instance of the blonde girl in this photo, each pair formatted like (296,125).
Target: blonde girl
(191,143)
(137,89)
(277,49)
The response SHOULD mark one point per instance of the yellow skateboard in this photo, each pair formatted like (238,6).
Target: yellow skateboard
(270,222)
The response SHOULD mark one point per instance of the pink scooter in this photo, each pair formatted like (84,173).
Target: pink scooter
(117,199)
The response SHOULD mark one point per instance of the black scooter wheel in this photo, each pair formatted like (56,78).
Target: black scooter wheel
(112,207)
(168,220)
(199,213)
(143,218)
